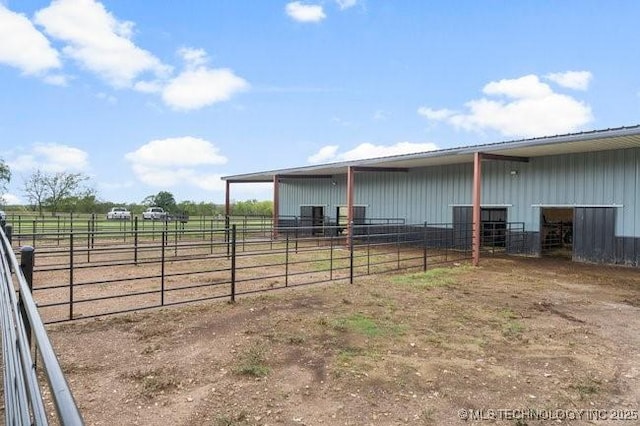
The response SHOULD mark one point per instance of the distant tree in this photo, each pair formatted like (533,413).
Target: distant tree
(162,199)
(60,186)
(149,201)
(5,177)
(166,200)
(84,202)
(52,189)
(199,209)
(35,189)
(252,208)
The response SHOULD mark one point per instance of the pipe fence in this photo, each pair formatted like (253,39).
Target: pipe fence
(22,330)
(87,273)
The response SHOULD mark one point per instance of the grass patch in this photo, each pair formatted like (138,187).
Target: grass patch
(154,382)
(361,324)
(347,355)
(358,323)
(511,328)
(433,278)
(586,388)
(252,362)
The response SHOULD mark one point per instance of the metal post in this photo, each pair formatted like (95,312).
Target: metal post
(8,231)
(286,263)
(26,266)
(424,248)
(93,229)
(350,236)
(330,257)
(276,205)
(233,264)
(227,238)
(244,231)
(175,240)
(368,251)
(135,241)
(211,237)
(88,241)
(164,239)
(71,275)
(477,179)
(398,245)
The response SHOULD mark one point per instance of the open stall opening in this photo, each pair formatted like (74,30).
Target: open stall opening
(556,231)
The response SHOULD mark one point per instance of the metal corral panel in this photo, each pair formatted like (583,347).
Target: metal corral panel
(598,178)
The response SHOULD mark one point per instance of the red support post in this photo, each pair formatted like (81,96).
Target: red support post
(350,183)
(276,204)
(227,204)
(477,184)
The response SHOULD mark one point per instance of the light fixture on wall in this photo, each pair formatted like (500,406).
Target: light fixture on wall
(513,173)
(333,183)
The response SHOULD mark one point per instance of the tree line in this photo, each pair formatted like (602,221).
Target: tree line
(63,192)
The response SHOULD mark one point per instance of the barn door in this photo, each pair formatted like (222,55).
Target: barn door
(594,234)
(306,216)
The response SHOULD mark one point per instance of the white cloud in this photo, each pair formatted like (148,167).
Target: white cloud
(521,107)
(193,57)
(176,152)
(201,87)
(435,114)
(173,161)
(103,45)
(98,41)
(154,86)
(23,46)
(51,157)
(305,12)
(325,154)
(578,80)
(346,4)
(366,150)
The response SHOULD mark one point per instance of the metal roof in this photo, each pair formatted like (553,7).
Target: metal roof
(595,140)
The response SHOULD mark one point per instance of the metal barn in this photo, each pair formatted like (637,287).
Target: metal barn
(576,194)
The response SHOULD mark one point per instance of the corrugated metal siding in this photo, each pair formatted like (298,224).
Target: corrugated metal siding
(427,194)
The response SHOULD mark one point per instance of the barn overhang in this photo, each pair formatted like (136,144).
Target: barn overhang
(598,140)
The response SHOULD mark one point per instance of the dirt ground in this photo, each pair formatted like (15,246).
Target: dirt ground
(513,334)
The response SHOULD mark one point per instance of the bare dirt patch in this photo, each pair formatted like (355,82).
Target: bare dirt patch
(391,349)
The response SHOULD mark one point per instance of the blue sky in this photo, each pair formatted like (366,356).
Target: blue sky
(145,96)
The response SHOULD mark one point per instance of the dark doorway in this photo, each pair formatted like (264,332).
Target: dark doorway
(359,213)
(493,225)
(556,231)
(317,221)
(312,217)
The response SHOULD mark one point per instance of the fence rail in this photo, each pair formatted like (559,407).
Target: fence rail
(22,327)
(89,273)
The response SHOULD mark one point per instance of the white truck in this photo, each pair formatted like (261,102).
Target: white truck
(118,213)
(154,213)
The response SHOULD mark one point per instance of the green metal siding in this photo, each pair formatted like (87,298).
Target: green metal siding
(429,194)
